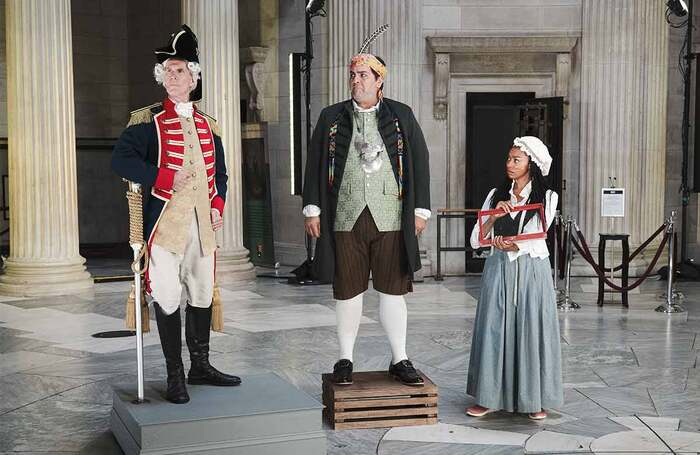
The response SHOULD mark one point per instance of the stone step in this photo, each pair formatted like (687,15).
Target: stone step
(265,414)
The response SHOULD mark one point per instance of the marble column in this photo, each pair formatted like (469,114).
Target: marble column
(44,258)
(215,22)
(624,58)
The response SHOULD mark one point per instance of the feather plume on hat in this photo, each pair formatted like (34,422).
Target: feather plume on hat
(364,58)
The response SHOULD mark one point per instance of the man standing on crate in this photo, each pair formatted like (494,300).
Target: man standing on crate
(366,198)
(174,150)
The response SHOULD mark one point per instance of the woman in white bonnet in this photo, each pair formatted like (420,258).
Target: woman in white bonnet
(515,361)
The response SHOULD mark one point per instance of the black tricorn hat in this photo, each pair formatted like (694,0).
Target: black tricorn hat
(182,46)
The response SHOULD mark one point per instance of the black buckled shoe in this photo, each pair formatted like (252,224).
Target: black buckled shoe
(169,327)
(405,373)
(197,331)
(342,372)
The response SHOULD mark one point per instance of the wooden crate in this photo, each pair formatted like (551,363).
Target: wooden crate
(375,400)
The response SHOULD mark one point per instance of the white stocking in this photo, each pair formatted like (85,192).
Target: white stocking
(348,314)
(394,317)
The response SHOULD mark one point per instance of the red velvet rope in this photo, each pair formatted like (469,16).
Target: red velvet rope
(586,254)
(640,249)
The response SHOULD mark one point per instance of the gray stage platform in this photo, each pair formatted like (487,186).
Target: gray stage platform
(265,415)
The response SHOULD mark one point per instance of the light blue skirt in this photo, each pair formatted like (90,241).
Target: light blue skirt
(515,361)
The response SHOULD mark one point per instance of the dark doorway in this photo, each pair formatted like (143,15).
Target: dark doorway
(493,120)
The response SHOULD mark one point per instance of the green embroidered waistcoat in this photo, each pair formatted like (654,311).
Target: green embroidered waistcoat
(379,190)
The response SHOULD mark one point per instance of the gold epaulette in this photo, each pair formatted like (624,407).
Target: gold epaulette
(142,115)
(212,122)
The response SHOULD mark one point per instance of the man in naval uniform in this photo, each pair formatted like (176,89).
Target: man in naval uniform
(366,198)
(174,151)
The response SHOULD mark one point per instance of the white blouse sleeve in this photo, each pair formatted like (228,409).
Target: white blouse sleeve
(474,239)
(551,209)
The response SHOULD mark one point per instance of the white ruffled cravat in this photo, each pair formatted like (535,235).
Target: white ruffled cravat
(184,109)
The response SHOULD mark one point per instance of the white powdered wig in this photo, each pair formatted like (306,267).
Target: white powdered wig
(159,71)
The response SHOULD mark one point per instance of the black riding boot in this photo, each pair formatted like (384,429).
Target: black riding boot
(169,329)
(197,330)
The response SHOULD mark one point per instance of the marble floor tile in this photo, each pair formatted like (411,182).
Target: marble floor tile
(353,442)
(622,401)
(18,390)
(577,356)
(68,330)
(646,422)
(639,377)
(594,427)
(284,318)
(551,442)
(457,339)
(640,441)
(53,426)
(578,405)
(681,441)
(665,358)
(113,287)
(408,448)
(675,404)
(454,434)
(15,361)
(574,376)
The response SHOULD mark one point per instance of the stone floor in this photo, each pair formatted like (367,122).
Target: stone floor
(632,376)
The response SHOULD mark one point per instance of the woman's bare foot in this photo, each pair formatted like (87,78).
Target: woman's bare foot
(538,415)
(478,411)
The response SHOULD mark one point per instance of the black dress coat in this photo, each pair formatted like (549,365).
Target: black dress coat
(416,176)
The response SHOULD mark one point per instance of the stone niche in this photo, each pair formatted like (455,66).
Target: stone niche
(464,63)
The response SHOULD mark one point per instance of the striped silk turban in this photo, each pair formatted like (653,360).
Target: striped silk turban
(371,61)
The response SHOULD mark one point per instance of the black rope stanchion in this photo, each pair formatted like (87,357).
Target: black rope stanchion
(671,306)
(586,254)
(557,223)
(567,303)
(676,295)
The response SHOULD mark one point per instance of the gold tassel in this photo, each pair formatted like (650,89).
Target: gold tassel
(217,312)
(145,315)
(131,312)
(130,309)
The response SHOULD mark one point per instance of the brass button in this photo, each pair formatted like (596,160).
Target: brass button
(191,161)
(189,131)
(194,174)
(194,188)
(190,145)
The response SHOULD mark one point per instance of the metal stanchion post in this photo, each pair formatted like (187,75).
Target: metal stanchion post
(671,306)
(557,222)
(567,304)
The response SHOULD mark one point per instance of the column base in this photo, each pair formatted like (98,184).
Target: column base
(234,266)
(23,278)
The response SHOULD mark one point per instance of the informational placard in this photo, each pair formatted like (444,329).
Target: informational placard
(612,202)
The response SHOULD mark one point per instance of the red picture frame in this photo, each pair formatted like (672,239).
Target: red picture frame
(530,236)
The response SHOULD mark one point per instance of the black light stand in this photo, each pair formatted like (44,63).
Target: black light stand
(300,63)
(680,8)
(685,190)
